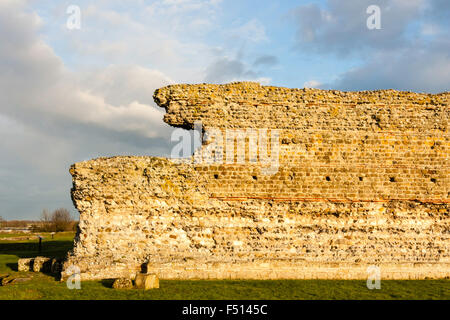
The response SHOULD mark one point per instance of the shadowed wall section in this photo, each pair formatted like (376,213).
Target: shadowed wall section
(363,179)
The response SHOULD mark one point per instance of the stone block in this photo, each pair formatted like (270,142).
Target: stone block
(42,264)
(146,281)
(122,283)
(25,264)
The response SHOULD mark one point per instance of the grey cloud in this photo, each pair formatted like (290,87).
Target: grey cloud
(399,56)
(416,70)
(226,69)
(438,11)
(34,164)
(265,60)
(340,28)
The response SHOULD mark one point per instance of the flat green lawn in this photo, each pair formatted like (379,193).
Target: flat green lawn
(44,286)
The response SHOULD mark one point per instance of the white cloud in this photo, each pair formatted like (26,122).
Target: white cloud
(183,15)
(166,35)
(124,84)
(252,31)
(312,84)
(109,99)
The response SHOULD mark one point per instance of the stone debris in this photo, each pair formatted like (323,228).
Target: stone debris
(40,264)
(146,281)
(11,279)
(25,264)
(122,283)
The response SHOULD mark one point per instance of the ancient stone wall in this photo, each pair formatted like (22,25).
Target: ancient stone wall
(362,179)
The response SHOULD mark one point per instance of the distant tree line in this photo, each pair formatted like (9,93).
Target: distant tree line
(15,223)
(58,220)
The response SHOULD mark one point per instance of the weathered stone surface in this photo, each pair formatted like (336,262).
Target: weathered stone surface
(20,280)
(56,265)
(42,264)
(363,179)
(4,279)
(122,283)
(11,279)
(146,281)
(25,264)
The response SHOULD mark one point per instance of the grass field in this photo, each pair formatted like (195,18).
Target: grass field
(45,286)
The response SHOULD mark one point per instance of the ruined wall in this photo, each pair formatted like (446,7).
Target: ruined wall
(363,179)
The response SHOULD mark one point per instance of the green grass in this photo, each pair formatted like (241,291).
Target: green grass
(44,286)
(11,251)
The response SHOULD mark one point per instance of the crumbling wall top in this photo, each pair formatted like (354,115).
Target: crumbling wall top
(250,105)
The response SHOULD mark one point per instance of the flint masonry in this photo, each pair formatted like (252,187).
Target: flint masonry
(363,179)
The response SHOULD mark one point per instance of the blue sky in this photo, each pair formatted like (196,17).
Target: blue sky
(241,30)
(72,95)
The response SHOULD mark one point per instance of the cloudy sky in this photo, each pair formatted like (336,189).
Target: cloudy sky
(69,94)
